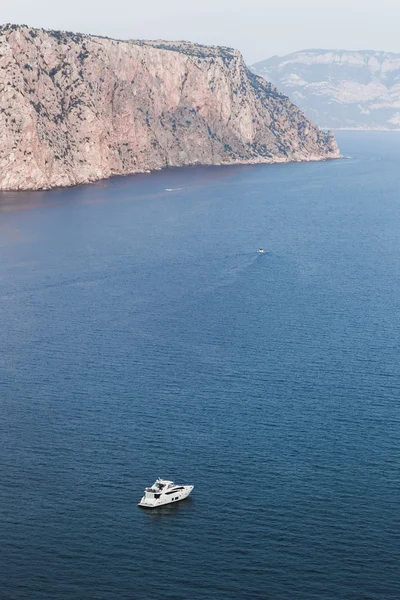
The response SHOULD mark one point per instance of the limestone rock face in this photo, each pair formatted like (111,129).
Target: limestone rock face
(77,108)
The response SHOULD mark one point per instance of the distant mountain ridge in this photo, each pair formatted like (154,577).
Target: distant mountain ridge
(340,89)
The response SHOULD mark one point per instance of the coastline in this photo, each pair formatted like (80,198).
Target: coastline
(258,161)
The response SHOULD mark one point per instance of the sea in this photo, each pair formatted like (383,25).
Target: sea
(142,335)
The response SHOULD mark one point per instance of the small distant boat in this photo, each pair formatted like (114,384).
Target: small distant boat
(164,492)
(260,251)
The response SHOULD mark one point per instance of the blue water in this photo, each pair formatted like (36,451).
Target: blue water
(142,336)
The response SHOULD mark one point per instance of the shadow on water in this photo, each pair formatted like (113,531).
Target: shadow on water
(139,186)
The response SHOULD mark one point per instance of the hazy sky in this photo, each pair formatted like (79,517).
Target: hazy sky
(258,28)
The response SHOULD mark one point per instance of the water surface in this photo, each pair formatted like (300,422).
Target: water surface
(142,336)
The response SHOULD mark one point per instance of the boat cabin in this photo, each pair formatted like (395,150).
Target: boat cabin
(161,486)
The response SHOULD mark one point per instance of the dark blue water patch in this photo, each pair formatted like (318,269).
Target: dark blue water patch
(143,336)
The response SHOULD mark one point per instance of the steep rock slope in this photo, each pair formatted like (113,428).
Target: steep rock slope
(77,108)
(340,89)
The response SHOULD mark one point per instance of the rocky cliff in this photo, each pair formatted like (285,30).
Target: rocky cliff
(77,108)
(340,89)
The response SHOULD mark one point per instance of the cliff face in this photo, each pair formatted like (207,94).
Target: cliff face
(340,89)
(77,108)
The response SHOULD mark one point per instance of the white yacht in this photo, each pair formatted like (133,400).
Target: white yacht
(164,492)
(260,251)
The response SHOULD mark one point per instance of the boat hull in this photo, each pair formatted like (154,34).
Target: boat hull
(164,500)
